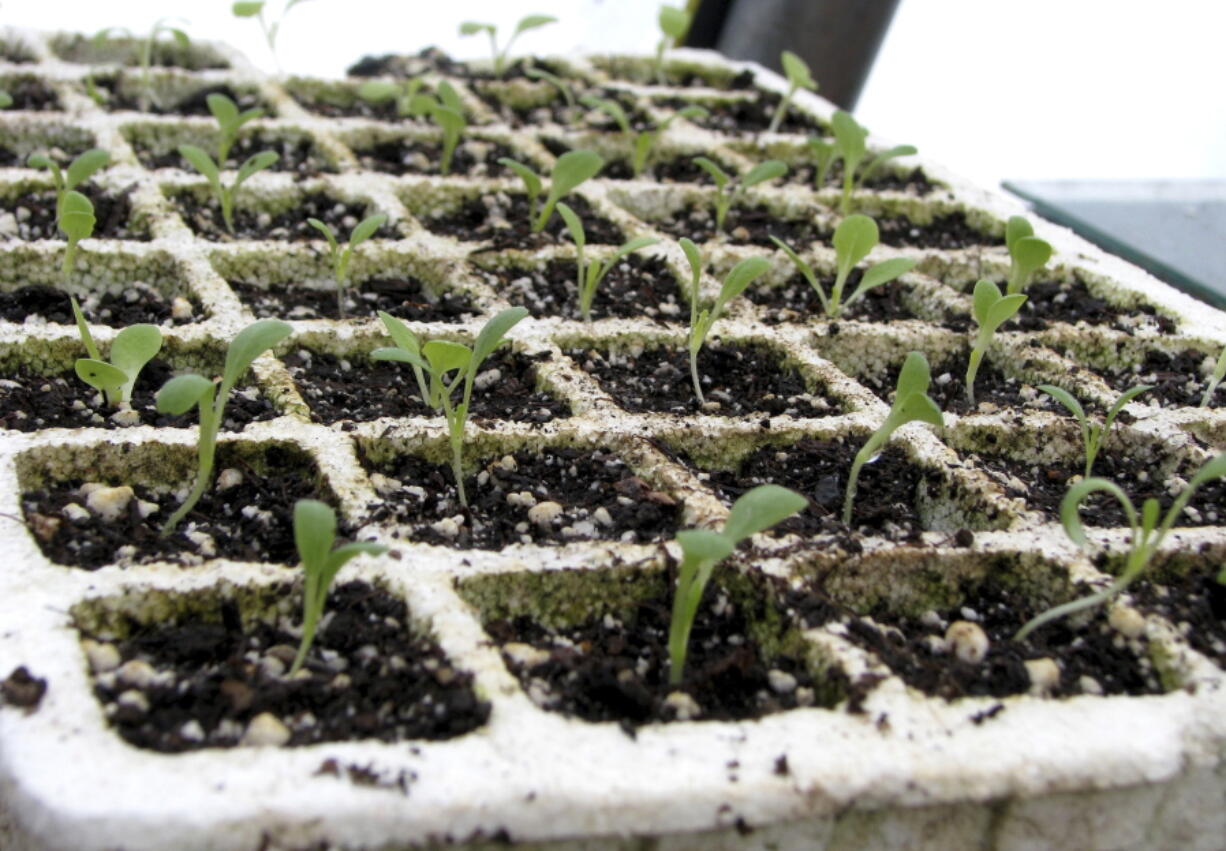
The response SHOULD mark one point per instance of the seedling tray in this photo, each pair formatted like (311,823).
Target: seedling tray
(503,704)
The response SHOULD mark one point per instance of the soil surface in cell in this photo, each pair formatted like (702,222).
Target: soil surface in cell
(245,520)
(797,301)
(295,154)
(206,221)
(637,287)
(617,668)
(1072,302)
(549,106)
(138,303)
(361,389)
(913,182)
(14,49)
(1177,379)
(737,380)
(30,94)
(1193,600)
(551,496)
(404,298)
(949,232)
(36,219)
(748,115)
(472,158)
(993,389)
(659,168)
(87,50)
(504,221)
(120,95)
(368,676)
(411,65)
(638,72)
(742,226)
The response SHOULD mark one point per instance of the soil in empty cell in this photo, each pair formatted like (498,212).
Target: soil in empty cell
(127,97)
(295,154)
(993,389)
(503,221)
(1176,379)
(368,676)
(636,288)
(617,668)
(743,225)
(1072,302)
(797,301)
(34,216)
(30,94)
(472,158)
(205,219)
(913,182)
(1193,600)
(949,232)
(405,298)
(250,520)
(360,389)
(139,302)
(737,380)
(750,115)
(551,496)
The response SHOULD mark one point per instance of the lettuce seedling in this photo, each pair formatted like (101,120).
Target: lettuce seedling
(144,56)
(181,393)
(850,146)
(854,238)
(824,155)
(79,170)
(204,164)
(255,9)
(799,77)
(6,100)
(529,22)
(563,87)
(991,310)
(314,535)
(132,348)
(703,549)
(1219,372)
(1027,253)
(1093,436)
(341,256)
(447,111)
(436,359)
(569,170)
(728,191)
(1147,534)
(591,274)
(75,216)
(741,276)
(406,93)
(229,122)
(674,24)
(911,403)
(641,142)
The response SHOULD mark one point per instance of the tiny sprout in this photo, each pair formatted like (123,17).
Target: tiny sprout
(741,276)
(642,142)
(529,22)
(79,170)
(341,256)
(447,111)
(1147,534)
(1027,253)
(314,535)
(911,403)
(799,77)
(570,169)
(824,155)
(132,348)
(145,54)
(75,215)
(6,100)
(255,9)
(729,191)
(850,146)
(854,238)
(991,310)
(180,393)
(591,274)
(439,357)
(405,93)
(229,122)
(674,24)
(563,87)
(702,551)
(204,164)
(1093,436)
(1219,372)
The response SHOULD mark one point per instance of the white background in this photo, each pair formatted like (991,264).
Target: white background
(1045,89)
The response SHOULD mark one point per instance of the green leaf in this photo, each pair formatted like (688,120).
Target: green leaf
(849,136)
(611,108)
(224,110)
(200,161)
(345,553)
(1016,228)
(446,355)
(720,176)
(493,332)
(135,346)
(853,239)
(1003,310)
(76,216)
(314,533)
(377,91)
(741,276)
(1066,399)
(366,229)
(914,377)
(42,161)
(883,273)
(918,407)
(674,22)
(247,9)
(531,22)
(628,248)
(532,182)
(180,37)
(100,375)
(1029,254)
(694,256)
(704,545)
(571,169)
(180,394)
(760,509)
(254,163)
(573,224)
(764,171)
(884,157)
(1070,518)
(797,71)
(400,355)
(326,230)
(249,344)
(1125,397)
(449,98)
(472,28)
(1215,468)
(400,333)
(986,294)
(84,166)
(6,100)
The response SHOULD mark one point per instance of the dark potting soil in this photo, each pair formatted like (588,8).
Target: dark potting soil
(249,521)
(818,469)
(402,65)
(635,288)
(138,303)
(737,379)
(36,218)
(22,689)
(553,112)
(368,677)
(749,115)
(948,388)
(1072,302)
(295,154)
(617,669)
(361,389)
(674,170)
(595,496)
(30,93)
(503,221)
(206,222)
(14,49)
(913,182)
(1176,379)
(1194,601)
(345,107)
(676,76)
(753,225)
(796,301)
(404,298)
(118,97)
(949,232)
(472,158)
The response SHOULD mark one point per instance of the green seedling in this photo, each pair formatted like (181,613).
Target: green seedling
(132,348)
(406,94)
(6,100)
(991,310)
(563,87)
(314,535)
(1221,576)
(436,359)
(703,549)
(1147,534)
(181,393)
(911,403)
(850,147)
(1093,436)
(1027,253)
(741,276)
(75,215)
(271,28)
(824,155)
(79,170)
(569,170)
(447,111)
(643,141)
(204,164)
(854,238)
(529,22)
(1219,372)
(341,256)
(729,190)
(144,56)
(229,122)
(591,274)
(674,24)
(799,77)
